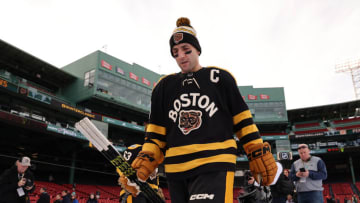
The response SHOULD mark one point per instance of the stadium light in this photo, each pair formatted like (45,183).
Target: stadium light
(352,66)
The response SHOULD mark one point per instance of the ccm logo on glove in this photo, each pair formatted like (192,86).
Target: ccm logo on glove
(259,152)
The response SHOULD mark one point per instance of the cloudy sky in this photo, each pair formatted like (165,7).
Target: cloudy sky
(293,44)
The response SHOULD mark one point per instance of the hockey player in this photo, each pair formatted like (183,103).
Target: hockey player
(194,115)
(125,194)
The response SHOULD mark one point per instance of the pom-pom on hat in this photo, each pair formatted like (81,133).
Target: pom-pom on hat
(184,33)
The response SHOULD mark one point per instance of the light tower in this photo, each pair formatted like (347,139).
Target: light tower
(352,66)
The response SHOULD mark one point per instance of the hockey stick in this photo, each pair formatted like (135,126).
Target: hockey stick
(89,130)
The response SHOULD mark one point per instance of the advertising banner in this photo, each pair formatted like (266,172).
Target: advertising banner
(65,131)
(67,108)
(145,81)
(34,94)
(252,97)
(133,76)
(123,124)
(9,86)
(264,96)
(106,65)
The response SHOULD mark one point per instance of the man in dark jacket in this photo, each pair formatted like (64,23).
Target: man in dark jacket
(65,197)
(17,182)
(44,196)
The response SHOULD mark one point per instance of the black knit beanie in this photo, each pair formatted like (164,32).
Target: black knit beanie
(184,33)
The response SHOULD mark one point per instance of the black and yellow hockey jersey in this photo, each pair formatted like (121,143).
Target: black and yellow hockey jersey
(130,154)
(193,119)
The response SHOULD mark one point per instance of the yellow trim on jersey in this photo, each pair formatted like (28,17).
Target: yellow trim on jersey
(189,149)
(224,70)
(158,155)
(246,130)
(241,116)
(229,187)
(152,128)
(257,141)
(162,77)
(181,167)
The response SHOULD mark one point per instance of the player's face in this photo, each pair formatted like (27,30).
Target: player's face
(187,57)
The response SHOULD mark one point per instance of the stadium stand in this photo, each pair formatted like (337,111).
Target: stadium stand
(347,123)
(309,127)
(109,194)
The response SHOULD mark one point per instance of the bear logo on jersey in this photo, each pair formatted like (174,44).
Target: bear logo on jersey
(189,121)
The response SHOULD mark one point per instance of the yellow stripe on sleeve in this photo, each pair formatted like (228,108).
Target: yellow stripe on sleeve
(246,130)
(241,116)
(152,128)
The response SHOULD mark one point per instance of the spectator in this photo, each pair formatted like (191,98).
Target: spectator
(51,178)
(289,199)
(73,198)
(65,197)
(308,172)
(57,198)
(92,199)
(17,182)
(97,196)
(354,199)
(44,196)
(282,188)
(286,174)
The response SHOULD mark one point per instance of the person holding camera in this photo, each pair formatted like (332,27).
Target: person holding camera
(17,182)
(253,192)
(308,172)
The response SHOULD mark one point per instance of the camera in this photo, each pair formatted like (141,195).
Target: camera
(248,175)
(28,183)
(302,169)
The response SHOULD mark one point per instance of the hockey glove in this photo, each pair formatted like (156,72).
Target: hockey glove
(144,164)
(132,188)
(262,163)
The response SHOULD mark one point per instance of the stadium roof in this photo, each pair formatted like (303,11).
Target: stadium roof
(29,67)
(326,112)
